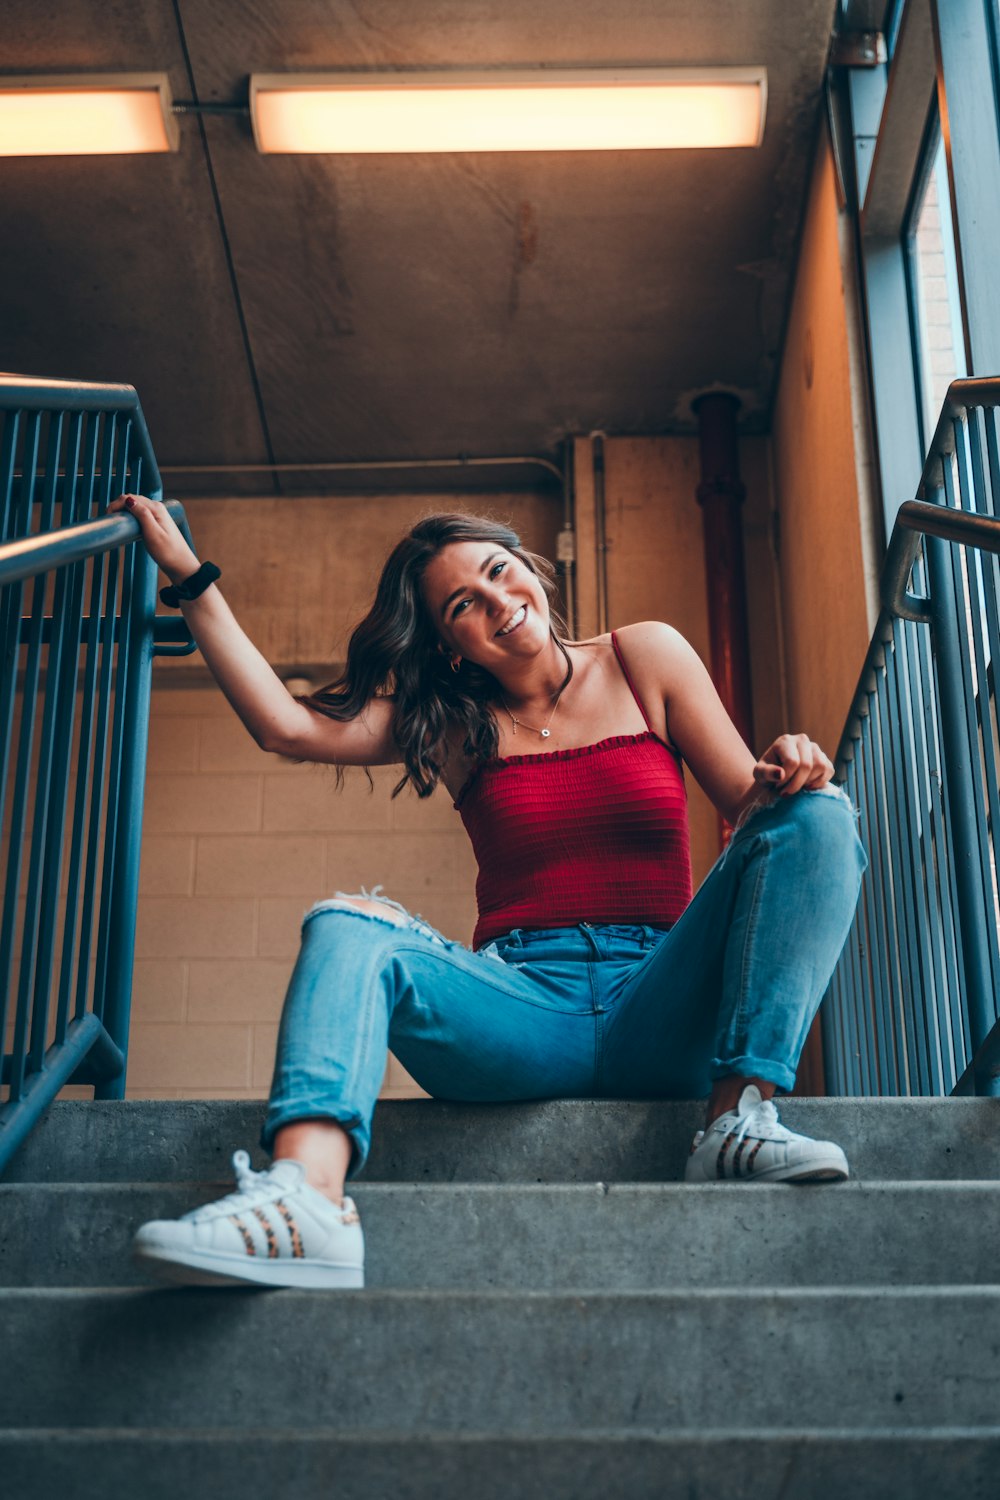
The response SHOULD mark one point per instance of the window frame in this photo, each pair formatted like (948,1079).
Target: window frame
(933,143)
(945,66)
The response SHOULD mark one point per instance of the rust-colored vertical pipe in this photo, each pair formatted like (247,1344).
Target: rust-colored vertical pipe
(721,493)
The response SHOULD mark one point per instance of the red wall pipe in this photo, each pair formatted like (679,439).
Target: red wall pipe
(720,494)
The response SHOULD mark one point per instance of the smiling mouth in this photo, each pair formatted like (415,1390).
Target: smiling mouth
(515,620)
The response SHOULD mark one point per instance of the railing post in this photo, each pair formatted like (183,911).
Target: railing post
(138,620)
(969,889)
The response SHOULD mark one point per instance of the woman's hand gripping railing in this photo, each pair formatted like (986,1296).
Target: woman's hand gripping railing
(32,555)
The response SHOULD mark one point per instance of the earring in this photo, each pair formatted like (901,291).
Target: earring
(455,663)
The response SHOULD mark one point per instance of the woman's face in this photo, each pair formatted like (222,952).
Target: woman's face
(486,604)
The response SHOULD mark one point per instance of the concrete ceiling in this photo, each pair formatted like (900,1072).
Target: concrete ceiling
(309,309)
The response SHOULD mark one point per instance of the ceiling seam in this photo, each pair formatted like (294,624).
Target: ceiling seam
(227,249)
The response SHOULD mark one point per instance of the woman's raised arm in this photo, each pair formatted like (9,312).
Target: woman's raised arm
(258,695)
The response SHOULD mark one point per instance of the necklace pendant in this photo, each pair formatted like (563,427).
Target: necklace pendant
(545,733)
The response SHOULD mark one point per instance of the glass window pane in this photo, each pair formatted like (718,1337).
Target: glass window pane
(937,309)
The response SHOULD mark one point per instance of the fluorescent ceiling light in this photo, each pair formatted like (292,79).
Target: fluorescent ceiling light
(86,115)
(614,109)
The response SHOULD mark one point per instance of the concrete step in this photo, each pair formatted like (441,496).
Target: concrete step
(560,1140)
(531,1363)
(587,1237)
(117,1464)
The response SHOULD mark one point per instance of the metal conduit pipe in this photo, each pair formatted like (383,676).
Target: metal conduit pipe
(720,494)
(566,540)
(598,440)
(463,461)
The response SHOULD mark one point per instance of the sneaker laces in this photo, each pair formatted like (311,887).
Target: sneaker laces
(762,1118)
(251,1188)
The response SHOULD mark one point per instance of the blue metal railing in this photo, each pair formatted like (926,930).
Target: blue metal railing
(77,639)
(913,1005)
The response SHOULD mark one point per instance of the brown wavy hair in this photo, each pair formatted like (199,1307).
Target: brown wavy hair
(394,653)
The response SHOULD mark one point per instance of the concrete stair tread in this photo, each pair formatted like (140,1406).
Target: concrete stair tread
(601,1236)
(646,1464)
(523,1361)
(447,1295)
(355,1437)
(568,1140)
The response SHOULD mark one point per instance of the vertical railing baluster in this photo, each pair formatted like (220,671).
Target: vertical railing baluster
(895,949)
(10,604)
(138,612)
(106,647)
(855,995)
(878,972)
(19,802)
(903,911)
(57,733)
(832,1029)
(88,689)
(909,791)
(115,752)
(927,787)
(31,926)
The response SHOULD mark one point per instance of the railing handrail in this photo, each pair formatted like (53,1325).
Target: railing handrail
(32,555)
(972,390)
(35,393)
(89,636)
(914,520)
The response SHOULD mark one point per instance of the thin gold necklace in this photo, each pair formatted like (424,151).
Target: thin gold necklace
(546,732)
(516,721)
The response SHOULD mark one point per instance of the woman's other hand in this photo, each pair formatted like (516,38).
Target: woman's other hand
(794,763)
(162,537)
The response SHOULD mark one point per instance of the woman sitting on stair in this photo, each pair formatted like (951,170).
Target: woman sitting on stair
(592,973)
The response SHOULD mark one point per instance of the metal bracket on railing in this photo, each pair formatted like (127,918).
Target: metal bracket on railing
(916,519)
(897,600)
(171,636)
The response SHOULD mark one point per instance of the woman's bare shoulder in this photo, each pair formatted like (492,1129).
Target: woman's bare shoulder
(641,631)
(649,645)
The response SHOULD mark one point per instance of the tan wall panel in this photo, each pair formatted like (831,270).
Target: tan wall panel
(822,480)
(299,574)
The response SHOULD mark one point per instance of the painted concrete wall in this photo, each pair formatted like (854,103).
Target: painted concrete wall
(822,476)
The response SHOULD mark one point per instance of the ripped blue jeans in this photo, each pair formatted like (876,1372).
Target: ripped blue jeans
(585,1011)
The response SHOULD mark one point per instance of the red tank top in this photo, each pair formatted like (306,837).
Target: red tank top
(594,834)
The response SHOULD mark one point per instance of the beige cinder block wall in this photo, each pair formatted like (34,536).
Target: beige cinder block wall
(238,844)
(830,537)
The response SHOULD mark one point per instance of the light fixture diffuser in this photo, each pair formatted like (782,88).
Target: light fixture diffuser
(614,109)
(86,115)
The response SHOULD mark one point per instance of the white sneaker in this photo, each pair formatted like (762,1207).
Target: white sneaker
(750,1144)
(275,1230)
